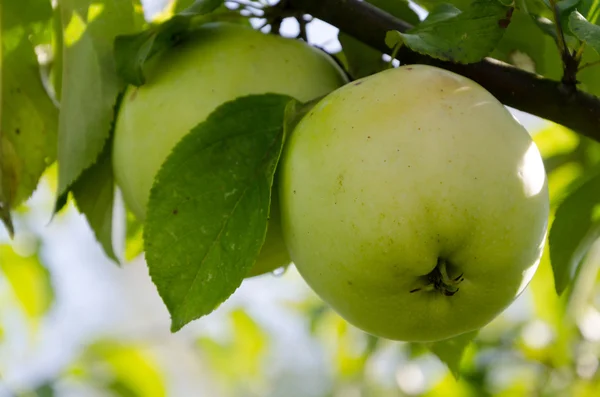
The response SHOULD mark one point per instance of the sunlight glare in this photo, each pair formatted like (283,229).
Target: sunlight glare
(74,29)
(411,379)
(531,171)
(94,11)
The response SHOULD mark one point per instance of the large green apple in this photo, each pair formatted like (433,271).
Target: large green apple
(414,203)
(219,63)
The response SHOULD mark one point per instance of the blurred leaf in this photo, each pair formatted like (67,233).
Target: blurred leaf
(180,5)
(589,76)
(575,228)
(30,281)
(554,140)
(450,387)
(240,359)
(450,351)
(201,7)
(134,240)
(28,116)
(121,389)
(45,390)
(220,173)
(348,347)
(582,289)
(585,31)
(94,195)
(90,84)
(133,370)
(567,157)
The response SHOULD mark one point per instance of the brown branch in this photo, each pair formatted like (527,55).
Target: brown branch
(514,87)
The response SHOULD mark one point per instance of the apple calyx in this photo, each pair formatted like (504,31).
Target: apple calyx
(438,280)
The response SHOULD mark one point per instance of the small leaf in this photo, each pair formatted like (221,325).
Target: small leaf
(393,38)
(132,51)
(575,228)
(451,351)
(548,27)
(585,31)
(208,208)
(90,83)
(398,8)
(94,195)
(362,59)
(464,37)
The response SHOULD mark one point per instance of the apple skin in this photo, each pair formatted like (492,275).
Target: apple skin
(185,84)
(392,173)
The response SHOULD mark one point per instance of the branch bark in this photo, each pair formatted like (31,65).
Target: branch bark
(514,87)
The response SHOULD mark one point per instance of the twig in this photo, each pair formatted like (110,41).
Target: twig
(590,64)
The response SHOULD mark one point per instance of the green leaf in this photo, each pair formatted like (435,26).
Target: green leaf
(451,35)
(565,8)
(431,4)
(29,280)
(363,60)
(94,195)
(398,8)
(132,51)
(90,83)
(523,44)
(575,227)
(451,351)
(28,115)
(585,31)
(590,76)
(202,7)
(208,208)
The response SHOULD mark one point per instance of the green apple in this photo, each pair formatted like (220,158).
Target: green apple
(413,203)
(219,63)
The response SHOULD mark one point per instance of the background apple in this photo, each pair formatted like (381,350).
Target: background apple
(414,203)
(219,63)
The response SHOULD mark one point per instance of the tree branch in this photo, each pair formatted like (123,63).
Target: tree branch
(514,87)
